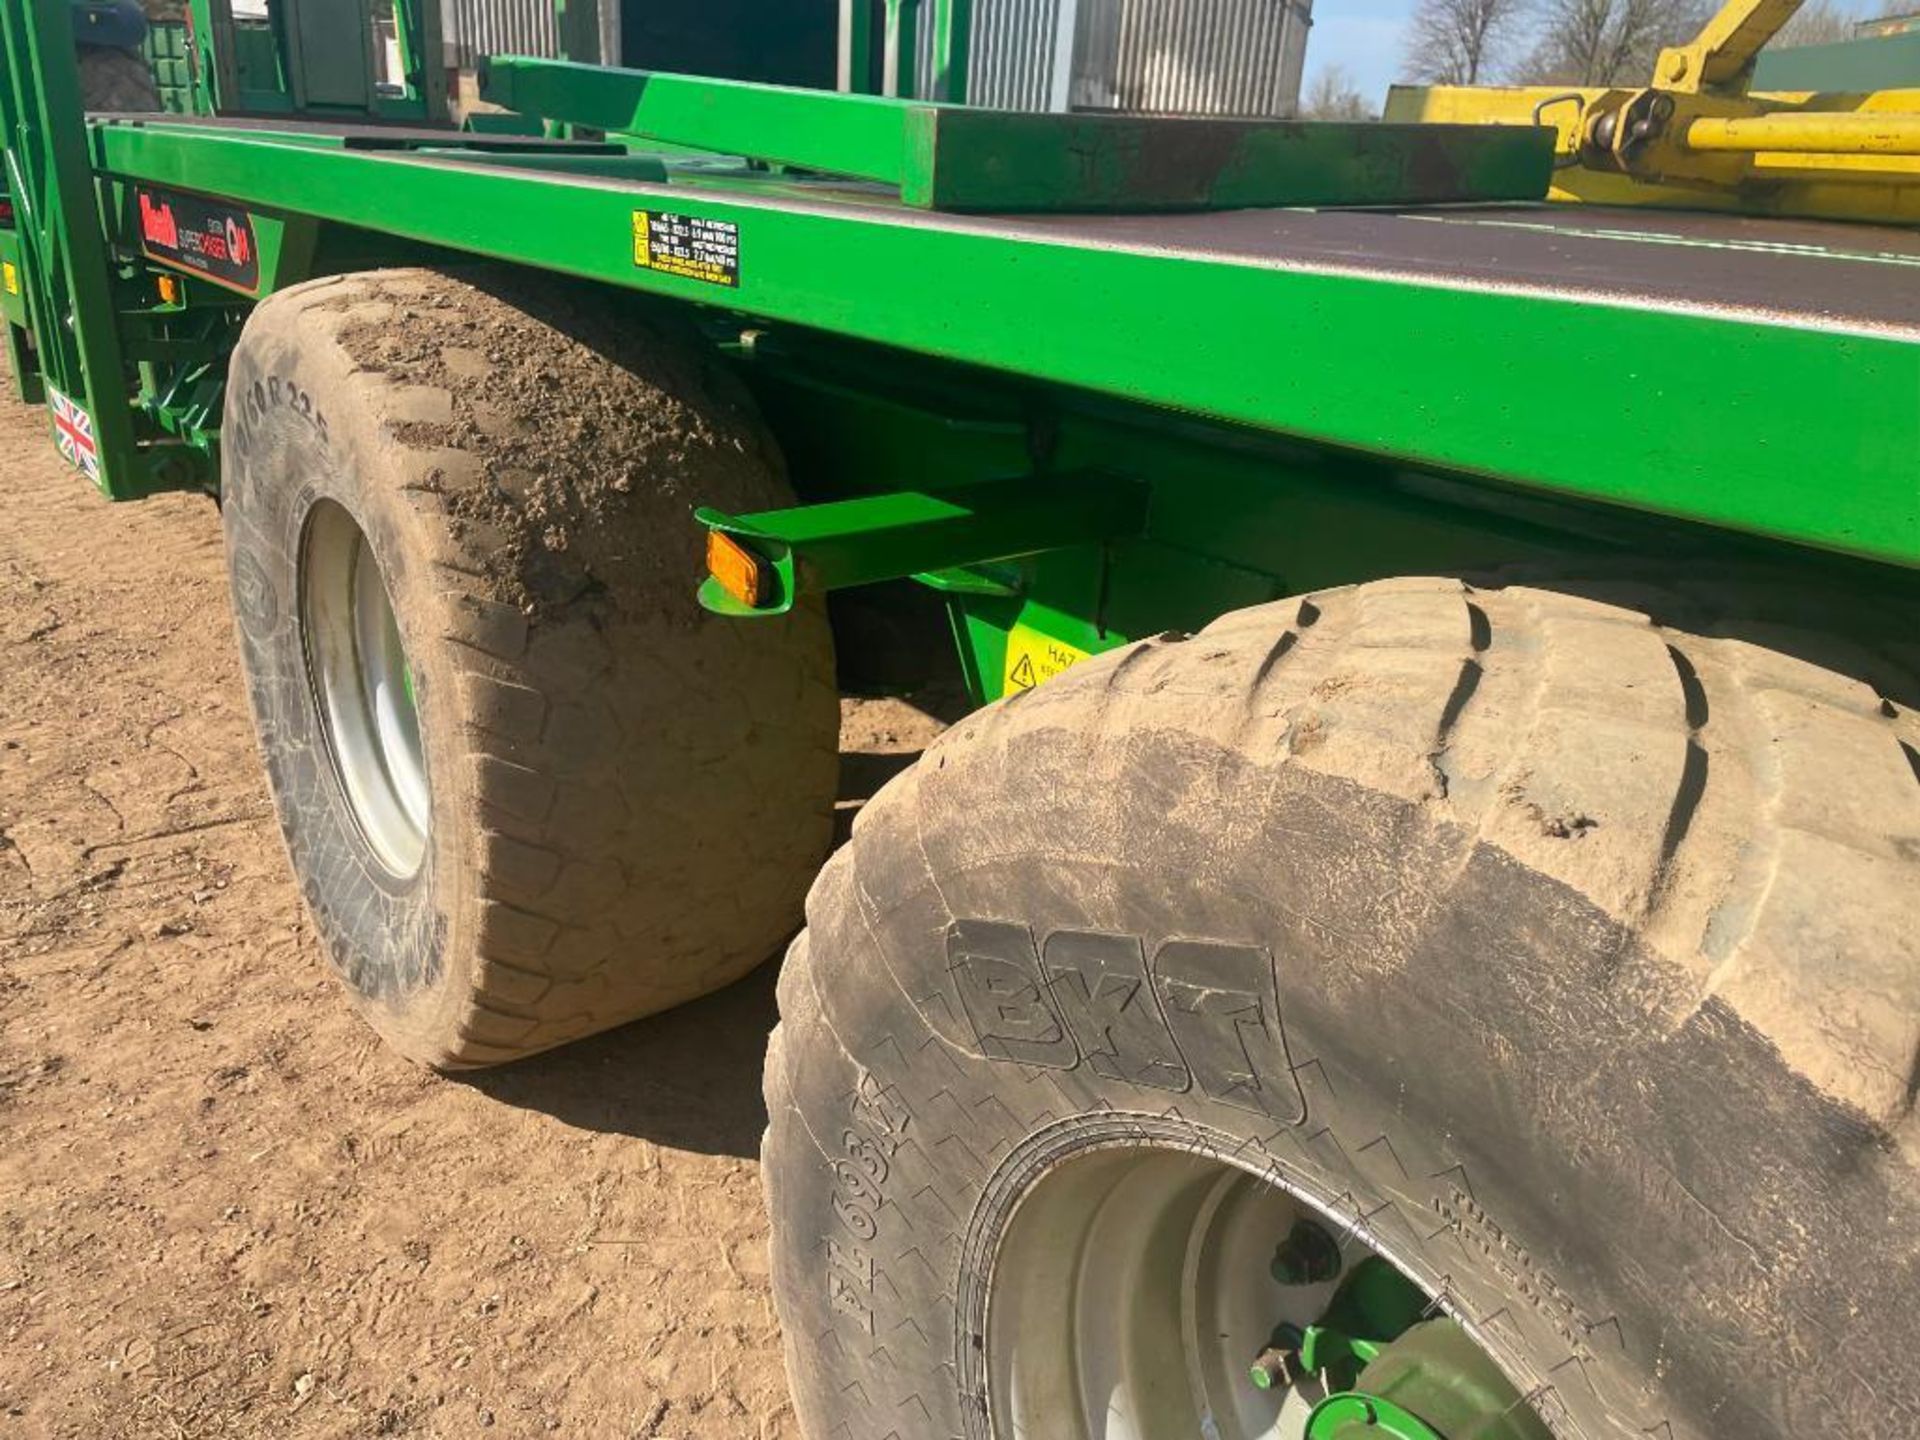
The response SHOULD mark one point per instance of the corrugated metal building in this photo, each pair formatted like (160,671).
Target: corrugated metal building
(1196,57)
(1191,57)
(505,27)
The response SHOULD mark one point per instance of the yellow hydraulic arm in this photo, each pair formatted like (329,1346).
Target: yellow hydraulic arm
(1698,137)
(1722,54)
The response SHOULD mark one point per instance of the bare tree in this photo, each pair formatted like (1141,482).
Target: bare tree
(1460,42)
(1608,42)
(1332,96)
(1615,42)
(1572,39)
(1817,22)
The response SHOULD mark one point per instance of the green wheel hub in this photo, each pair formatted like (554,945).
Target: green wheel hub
(1388,1367)
(1432,1382)
(1141,1293)
(1366,1417)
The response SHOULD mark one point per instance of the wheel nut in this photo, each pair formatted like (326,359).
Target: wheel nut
(1275,1369)
(1307,1256)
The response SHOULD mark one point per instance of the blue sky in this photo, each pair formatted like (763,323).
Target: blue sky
(1364,37)
(1361,36)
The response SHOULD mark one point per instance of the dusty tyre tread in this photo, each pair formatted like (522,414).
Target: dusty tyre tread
(1699,795)
(1415,700)
(566,754)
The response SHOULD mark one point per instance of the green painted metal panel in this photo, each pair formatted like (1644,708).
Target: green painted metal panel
(841,543)
(1236,520)
(856,135)
(1008,161)
(64,265)
(312,57)
(952,34)
(900,48)
(1734,419)
(166,51)
(1884,62)
(330,45)
(951,158)
(13,295)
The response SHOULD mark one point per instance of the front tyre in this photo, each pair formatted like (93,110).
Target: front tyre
(1562,964)
(529,789)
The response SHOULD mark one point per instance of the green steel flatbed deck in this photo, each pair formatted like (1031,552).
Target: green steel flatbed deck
(1805,274)
(1478,721)
(1569,350)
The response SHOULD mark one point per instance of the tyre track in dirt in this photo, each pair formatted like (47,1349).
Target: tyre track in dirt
(224,1209)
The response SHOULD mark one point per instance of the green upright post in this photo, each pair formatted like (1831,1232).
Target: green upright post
(416,29)
(856,47)
(952,31)
(903,49)
(210,56)
(66,272)
(433,61)
(577,23)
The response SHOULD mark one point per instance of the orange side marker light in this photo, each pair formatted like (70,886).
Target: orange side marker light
(737,568)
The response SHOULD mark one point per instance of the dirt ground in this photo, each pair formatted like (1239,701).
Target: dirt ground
(224,1209)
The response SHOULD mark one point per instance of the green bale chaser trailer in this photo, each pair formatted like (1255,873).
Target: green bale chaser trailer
(1420,938)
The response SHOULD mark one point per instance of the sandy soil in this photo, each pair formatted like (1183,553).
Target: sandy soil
(224,1210)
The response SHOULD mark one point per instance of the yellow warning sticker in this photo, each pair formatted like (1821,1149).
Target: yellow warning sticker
(1033,657)
(10,277)
(688,246)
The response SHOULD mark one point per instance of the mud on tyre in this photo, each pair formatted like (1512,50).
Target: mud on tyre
(1566,960)
(529,789)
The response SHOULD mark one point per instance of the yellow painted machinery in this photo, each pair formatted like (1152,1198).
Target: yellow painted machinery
(1699,137)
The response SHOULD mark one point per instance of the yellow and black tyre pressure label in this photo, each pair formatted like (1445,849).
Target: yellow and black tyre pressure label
(687,246)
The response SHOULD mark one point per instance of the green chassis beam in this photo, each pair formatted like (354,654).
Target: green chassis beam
(466,144)
(1729,417)
(64,267)
(809,548)
(949,158)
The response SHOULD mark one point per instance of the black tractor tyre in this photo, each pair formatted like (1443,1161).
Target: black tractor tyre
(116,82)
(1571,961)
(626,797)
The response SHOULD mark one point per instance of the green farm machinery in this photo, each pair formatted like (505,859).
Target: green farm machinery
(1418,935)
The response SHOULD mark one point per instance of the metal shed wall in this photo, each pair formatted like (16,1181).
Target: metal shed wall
(1193,57)
(516,27)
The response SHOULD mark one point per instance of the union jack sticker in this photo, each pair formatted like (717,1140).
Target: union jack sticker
(73,433)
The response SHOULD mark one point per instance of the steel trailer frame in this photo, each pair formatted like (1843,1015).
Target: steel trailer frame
(1288,395)
(1083,379)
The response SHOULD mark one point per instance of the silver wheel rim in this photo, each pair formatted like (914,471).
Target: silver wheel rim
(363,688)
(1131,1293)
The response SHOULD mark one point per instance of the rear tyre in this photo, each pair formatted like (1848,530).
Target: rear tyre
(1565,961)
(116,81)
(529,789)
